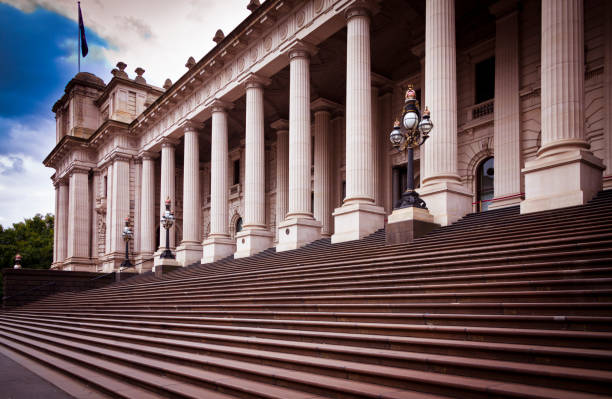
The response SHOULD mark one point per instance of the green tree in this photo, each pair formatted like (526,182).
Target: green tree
(32,238)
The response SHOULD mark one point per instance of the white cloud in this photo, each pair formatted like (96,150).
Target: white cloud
(157,35)
(24,194)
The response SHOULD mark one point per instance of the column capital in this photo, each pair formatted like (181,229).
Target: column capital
(62,181)
(280,125)
(255,81)
(188,125)
(322,104)
(147,155)
(504,8)
(77,170)
(218,105)
(299,49)
(361,8)
(168,142)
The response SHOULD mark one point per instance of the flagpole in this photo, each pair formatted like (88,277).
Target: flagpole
(79,30)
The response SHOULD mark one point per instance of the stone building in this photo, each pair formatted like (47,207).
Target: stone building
(280,134)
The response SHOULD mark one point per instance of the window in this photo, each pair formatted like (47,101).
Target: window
(238,225)
(485,178)
(236,172)
(131,103)
(485,80)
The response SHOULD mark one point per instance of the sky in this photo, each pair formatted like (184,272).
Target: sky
(38,46)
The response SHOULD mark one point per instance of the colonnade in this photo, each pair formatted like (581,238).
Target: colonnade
(360,213)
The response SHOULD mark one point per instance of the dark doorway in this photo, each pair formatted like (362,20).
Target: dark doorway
(485,179)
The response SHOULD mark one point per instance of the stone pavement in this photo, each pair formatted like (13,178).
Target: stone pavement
(17,382)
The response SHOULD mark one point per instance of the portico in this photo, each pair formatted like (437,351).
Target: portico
(282,130)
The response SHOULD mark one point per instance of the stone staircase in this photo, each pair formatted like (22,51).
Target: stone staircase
(498,305)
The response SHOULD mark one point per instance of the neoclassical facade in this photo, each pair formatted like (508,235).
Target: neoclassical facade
(280,135)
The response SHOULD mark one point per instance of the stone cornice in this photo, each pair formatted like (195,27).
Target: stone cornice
(65,145)
(108,128)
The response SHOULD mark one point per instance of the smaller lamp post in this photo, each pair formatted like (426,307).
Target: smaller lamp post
(167,220)
(127,236)
(17,262)
(415,133)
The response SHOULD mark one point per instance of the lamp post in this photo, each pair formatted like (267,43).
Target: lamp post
(127,236)
(414,133)
(17,262)
(167,220)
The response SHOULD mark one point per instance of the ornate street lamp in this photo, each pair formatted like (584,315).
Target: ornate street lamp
(17,262)
(127,236)
(414,133)
(167,220)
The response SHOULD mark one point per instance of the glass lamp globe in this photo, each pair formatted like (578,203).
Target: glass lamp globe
(396,137)
(426,124)
(411,119)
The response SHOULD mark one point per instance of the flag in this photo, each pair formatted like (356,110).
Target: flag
(84,49)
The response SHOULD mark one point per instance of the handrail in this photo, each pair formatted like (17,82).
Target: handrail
(4,298)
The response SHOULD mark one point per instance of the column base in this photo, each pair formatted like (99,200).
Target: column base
(406,224)
(504,203)
(215,248)
(188,253)
(163,266)
(78,264)
(112,261)
(252,241)
(144,262)
(297,232)
(561,179)
(447,201)
(357,220)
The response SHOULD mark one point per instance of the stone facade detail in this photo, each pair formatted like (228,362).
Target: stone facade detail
(279,135)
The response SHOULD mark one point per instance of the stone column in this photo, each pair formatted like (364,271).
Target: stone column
(282,168)
(299,227)
(218,244)
(255,237)
(120,204)
(147,212)
(78,251)
(441,186)
(359,216)
(190,250)
(62,222)
(386,113)
(323,168)
(565,172)
(507,113)
(167,189)
(109,208)
(55,225)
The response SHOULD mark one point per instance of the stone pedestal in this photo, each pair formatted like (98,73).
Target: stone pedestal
(447,201)
(357,220)
(563,179)
(250,242)
(406,224)
(144,262)
(295,233)
(164,266)
(216,248)
(188,252)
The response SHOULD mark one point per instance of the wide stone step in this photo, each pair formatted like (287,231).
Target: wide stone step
(331,371)
(386,350)
(594,340)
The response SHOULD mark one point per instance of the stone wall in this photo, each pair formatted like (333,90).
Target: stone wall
(27,285)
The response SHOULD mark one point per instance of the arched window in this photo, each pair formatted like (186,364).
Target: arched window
(238,225)
(485,177)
